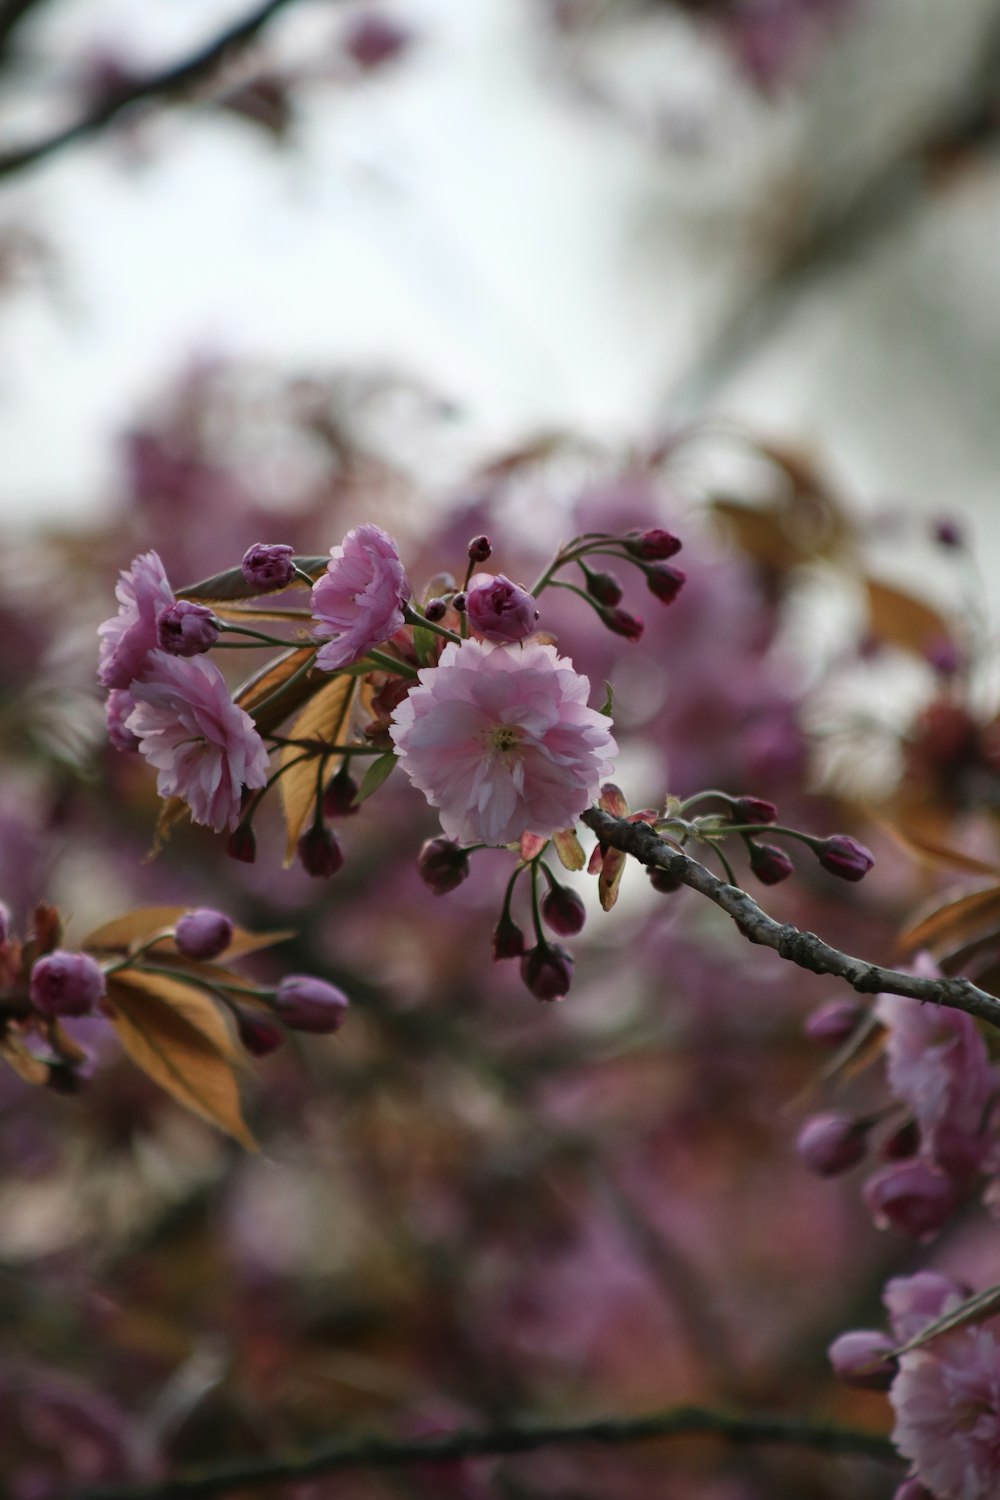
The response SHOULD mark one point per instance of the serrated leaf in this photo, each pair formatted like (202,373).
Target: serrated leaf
(379,771)
(177,1036)
(324,718)
(29,1069)
(898,619)
(277,690)
(118,935)
(951,924)
(612,870)
(934,851)
(569,849)
(224,587)
(975,1309)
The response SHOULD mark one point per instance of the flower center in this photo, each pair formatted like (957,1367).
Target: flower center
(504,737)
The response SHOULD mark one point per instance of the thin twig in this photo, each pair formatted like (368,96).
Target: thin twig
(802,948)
(385,1453)
(159,85)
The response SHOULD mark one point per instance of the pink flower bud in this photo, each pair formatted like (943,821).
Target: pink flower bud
(268,565)
(547,971)
(862,1358)
(203,933)
(833,1021)
(508,939)
(375,39)
(67,984)
(844,856)
(259,1034)
(831,1143)
(442,864)
(563,910)
(652,546)
(306,1004)
(770,864)
(338,799)
(665,582)
(186,628)
(480,549)
(604,587)
(754,810)
(117,709)
(622,623)
(319,852)
(435,610)
(242,844)
(912,1197)
(499,610)
(664,882)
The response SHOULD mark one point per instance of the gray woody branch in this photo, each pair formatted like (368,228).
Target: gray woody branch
(802,948)
(384,1453)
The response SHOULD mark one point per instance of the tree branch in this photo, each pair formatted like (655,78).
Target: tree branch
(802,948)
(158,85)
(383,1453)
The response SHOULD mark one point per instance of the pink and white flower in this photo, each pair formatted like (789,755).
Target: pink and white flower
(359,602)
(204,748)
(130,635)
(500,739)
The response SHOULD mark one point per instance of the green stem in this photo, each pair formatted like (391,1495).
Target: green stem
(128,959)
(216,987)
(393,663)
(414,617)
(723,861)
(258,635)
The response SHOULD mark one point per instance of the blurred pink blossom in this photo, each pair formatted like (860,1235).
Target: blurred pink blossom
(130,635)
(204,748)
(359,602)
(501,740)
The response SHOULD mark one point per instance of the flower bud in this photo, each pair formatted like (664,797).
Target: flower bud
(500,610)
(604,587)
(258,1033)
(547,971)
(652,546)
(754,810)
(663,881)
(902,1144)
(841,855)
(374,39)
(242,844)
(319,852)
(947,532)
(508,939)
(863,1358)
(770,864)
(268,565)
(912,1197)
(435,610)
(459,602)
(665,582)
(563,910)
(186,628)
(833,1021)
(203,933)
(831,1143)
(480,549)
(304,1003)
(116,710)
(620,622)
(338,799)
(66,984)
(442,864)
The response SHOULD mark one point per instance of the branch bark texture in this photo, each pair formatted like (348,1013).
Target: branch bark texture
(385,1453)
(802,948)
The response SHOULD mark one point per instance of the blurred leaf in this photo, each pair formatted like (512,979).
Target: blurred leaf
(174,810)
(324,718)
(380,770)
(953,923)
(610,877)
(898,619)
(975,1309)
(761,534)
(223,587)
(607,707)
(179,1039)
(569,849)
(27,1067)
(931,850)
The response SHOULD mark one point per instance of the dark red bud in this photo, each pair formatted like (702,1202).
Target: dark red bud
(435,610)
(754,810)
(664,882)
(652,546)
(770,864)
(563,910)
(242,844)
(665,582)
(508,940)
(319,852)
(547,971)
(480,548)
(458,603)
(442,864)
(604,587)
(622,623)
(832,1143)
(338,799)
(259,1034)
(843,856)
(948,533)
